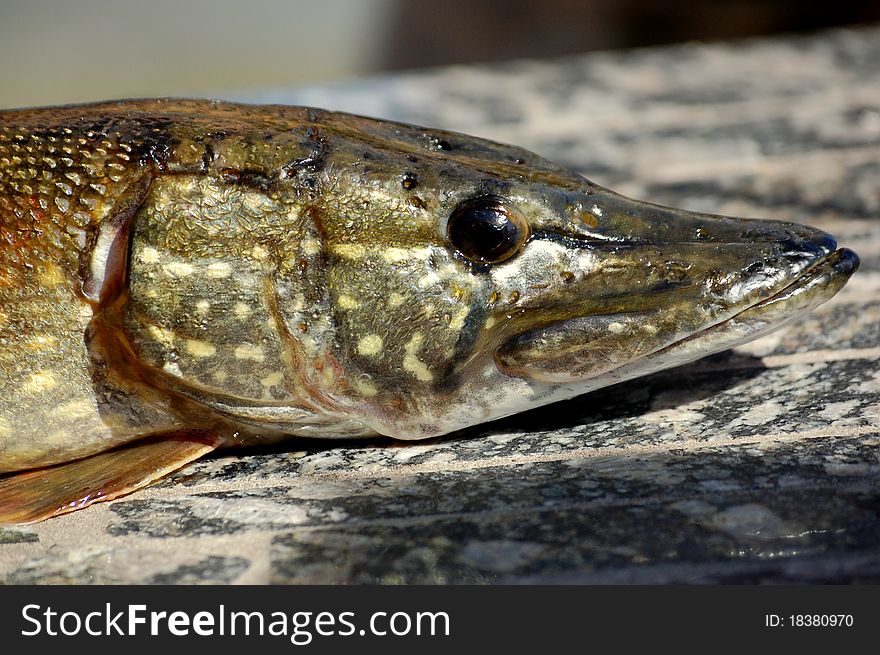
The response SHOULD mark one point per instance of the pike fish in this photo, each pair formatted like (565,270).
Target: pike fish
(182,275)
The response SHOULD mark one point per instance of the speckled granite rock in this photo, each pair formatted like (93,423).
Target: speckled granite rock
(756,465)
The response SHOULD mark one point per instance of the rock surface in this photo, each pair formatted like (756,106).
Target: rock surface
(756,465)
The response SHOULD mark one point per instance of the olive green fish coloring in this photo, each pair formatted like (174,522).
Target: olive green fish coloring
(178,276)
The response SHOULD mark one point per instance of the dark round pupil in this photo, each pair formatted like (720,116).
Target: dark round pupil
(482,231)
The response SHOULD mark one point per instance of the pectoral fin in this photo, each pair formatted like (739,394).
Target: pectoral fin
(41,494)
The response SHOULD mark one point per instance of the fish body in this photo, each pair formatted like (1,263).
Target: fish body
(179,275)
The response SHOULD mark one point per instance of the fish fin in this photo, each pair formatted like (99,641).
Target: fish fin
(40,494)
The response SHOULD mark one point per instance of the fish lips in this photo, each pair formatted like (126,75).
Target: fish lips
(607,348)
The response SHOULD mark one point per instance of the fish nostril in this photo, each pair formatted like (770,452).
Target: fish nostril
(811,242)
(810,245)
(791,237)
(827,243)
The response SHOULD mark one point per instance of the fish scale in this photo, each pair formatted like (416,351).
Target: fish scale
(182,275)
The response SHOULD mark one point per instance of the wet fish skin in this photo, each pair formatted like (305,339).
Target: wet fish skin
(256,272)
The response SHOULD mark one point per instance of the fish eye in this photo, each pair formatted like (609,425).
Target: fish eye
(486,231)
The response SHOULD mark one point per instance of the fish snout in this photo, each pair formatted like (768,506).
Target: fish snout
(651,277)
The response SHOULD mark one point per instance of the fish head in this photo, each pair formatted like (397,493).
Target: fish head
(470,280)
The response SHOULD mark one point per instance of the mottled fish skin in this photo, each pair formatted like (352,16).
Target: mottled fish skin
(264,271)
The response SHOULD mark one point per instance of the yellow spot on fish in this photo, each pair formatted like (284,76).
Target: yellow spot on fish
(160,334)
(74,409)
(616,327)
(178,269)
(250,351)
(513,298)
(297,302)
(412,363)
(490,322)
(398,255)
(39,382)
(326,377)
(347,302)
(148,255)
(219,376)
(241,310)
(366,387)
(219,270)
(198,348)
(428,280)
(203,307)
(350,250)
(272,379)
(457,323)
(370,345)
(259,253)
(311,246)
(41,342)
(395,299)
(52,276)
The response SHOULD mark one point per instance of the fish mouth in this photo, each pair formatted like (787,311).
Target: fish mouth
(825,277)
(571,359)
(812,287)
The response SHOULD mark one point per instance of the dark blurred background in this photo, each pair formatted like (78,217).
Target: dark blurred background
(55,51)
(428,33)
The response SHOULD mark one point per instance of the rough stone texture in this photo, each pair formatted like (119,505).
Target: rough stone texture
(756,465)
